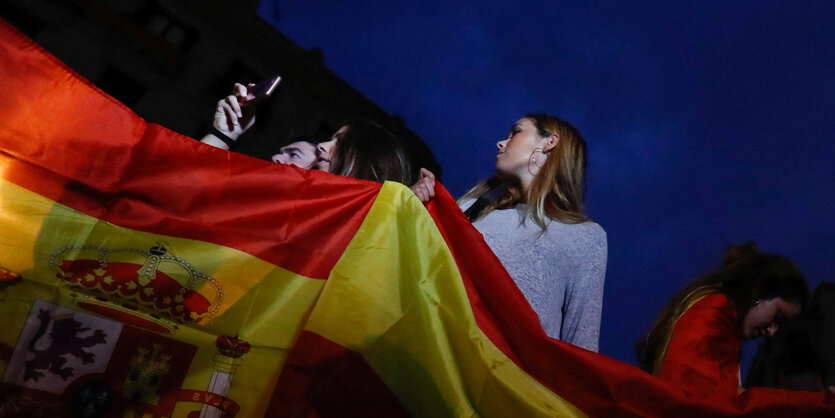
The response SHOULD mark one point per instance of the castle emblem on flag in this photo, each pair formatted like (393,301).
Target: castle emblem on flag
(148,366)
(142,287)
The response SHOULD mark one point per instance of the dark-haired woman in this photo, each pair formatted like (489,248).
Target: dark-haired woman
(531,215)
(696,340)
(359,149)
(367,151)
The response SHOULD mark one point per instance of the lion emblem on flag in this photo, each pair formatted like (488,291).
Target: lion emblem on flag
(64,341)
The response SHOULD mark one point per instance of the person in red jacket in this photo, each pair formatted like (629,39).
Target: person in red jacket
(695,342)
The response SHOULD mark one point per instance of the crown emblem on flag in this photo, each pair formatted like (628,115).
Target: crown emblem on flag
(7,275)
(7,278)
(232,346)
(137,285)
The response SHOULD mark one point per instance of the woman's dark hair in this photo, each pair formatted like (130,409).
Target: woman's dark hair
(745,276)
(367,151)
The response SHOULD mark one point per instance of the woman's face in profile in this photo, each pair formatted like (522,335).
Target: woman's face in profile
(326,150)
(765,317)
(515,152)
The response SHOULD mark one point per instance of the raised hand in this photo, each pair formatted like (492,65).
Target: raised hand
(424,189)
(233,116)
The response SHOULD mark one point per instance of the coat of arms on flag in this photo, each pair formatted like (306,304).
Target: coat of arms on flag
(68,359)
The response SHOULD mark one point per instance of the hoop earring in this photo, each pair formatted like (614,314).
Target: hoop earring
(532,160)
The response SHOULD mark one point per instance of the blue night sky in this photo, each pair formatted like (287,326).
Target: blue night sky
(708,122)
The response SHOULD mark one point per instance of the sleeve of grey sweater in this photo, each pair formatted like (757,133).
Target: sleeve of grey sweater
(583,303)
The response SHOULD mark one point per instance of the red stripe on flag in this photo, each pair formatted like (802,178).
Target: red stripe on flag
(83,149)
(324,379)
(596,384)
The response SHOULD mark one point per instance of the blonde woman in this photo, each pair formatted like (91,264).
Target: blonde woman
(531,215)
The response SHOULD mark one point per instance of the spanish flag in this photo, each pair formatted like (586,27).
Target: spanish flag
(144,274)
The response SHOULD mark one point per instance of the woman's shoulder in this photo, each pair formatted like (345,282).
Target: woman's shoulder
(714,301)
(580,245)
(712,316)
(587,231)
(465,202)
(593,229)
(714,308)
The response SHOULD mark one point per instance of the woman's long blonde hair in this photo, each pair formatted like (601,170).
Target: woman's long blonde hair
(557,190)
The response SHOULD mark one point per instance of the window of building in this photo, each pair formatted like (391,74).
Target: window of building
(159,21)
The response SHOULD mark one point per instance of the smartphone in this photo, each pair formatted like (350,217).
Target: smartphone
(262,89)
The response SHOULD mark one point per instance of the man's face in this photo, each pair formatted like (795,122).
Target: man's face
(301,154)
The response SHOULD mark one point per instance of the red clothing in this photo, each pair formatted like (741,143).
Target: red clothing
(703,354)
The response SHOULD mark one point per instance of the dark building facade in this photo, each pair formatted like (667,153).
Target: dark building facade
(172,60)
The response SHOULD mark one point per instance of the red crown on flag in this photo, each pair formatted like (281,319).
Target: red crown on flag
(7,276)
(138,285)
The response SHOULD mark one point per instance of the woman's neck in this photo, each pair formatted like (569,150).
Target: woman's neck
(525,184)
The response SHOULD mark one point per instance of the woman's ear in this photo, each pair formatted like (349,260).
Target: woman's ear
(550,143)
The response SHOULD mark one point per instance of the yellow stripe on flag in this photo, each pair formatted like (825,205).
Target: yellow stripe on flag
(35,231)
(397,298)
(21,215)
(261,303)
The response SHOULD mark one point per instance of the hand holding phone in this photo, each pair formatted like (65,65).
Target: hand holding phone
(260,90)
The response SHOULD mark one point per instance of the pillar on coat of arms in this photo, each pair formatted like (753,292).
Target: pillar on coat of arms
(226,361)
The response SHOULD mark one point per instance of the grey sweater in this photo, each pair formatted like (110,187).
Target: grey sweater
(560,271)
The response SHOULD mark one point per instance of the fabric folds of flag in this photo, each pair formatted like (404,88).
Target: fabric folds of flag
(145,274)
